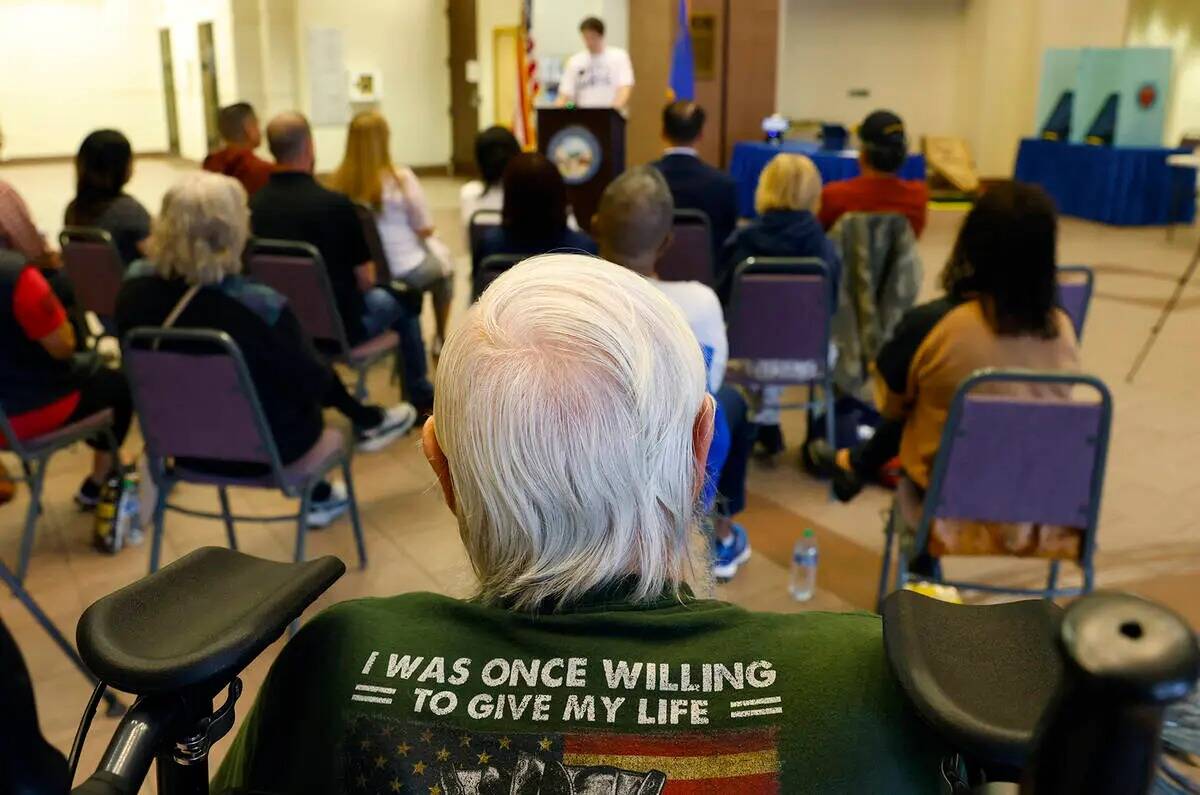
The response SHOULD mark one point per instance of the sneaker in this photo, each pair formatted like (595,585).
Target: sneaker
(770,440)
(820,457)
(731,553)
(329,501)
(397,421)
(88,496)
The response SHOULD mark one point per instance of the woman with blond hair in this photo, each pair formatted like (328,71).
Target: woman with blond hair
(194,271)
(787,200)
(368,176)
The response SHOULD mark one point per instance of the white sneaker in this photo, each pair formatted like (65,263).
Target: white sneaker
(323,513)
(397,421)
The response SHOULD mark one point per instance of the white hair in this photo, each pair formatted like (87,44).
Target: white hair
(202,229)
(566,403)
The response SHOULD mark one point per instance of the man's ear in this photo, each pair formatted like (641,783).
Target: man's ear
(702,436)
(438,462)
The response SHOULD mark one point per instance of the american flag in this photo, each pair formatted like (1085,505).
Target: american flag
(524,126)
(384,755)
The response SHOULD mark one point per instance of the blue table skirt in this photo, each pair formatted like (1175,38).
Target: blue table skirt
(1124,186)
(751,157)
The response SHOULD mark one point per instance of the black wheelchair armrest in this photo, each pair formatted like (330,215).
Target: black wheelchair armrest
(199,621)
(980,676)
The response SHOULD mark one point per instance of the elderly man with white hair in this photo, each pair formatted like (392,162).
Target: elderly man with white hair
(569,438)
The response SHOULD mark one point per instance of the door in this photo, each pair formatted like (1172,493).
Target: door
(208,85)
(464,84)
(168,75)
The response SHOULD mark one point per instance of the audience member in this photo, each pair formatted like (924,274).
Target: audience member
(534,213)
(402,214)
(17,230)
(102,169)
(633,228)
(1000,309)
(569,439)
(788,194)
(878,189)
(238,125)
(194,271)
(696,185)
(494,147)
(598,76)
(293,206)
(44,382)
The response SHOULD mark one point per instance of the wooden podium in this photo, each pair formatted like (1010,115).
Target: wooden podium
(588,146)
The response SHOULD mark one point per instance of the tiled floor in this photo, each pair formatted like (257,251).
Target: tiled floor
(1148,541)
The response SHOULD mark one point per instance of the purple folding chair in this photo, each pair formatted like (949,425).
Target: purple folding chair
(1016,460)
(477,225)
(689,257)
(296,270)
(94,266)
(781,309)
(34,455)
(1075,285)
(195,400)
(492,267)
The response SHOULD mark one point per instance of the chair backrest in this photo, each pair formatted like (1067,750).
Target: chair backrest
(479,222)
(94,266)
(689,257)
(780,309)
(366,217)
(492,267)
(195,398)
(1010,457)
(1075,285)
(296,270)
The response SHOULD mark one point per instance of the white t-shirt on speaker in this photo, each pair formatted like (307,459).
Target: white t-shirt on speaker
(592,80)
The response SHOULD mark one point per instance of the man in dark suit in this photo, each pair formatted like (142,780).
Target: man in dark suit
(694,184)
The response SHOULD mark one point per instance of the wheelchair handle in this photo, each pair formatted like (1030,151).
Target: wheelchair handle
(1126,660)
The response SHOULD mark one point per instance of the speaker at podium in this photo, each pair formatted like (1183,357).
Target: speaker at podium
(588,146)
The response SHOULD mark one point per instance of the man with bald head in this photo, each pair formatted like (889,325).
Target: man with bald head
(632,227)
(294,206)
(695,185)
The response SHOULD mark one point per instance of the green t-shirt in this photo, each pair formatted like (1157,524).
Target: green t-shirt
(421,693)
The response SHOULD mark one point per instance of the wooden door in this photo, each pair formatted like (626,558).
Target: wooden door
(464,84)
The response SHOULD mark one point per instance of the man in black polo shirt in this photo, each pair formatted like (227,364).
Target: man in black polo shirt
(293,206)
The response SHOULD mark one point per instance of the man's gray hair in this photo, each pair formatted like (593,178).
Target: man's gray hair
(566,404)
(636,212)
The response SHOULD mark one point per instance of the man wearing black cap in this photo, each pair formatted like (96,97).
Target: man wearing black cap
(878,189)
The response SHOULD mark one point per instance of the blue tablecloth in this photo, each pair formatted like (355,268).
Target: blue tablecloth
(751,157)
(1124,186)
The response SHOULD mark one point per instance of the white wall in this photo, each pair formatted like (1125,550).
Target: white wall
(906,54)
(70,67)
(1174,24)
(407,42)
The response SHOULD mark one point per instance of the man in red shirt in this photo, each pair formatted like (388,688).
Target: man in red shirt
(878,189)
(44,384)
(239,129)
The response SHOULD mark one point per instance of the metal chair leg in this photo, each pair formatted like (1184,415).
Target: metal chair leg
(302,523)
(156,537)
(360,385)
(884,570)
(1052,580)
(830,424)
(36,475)
(18,590)
(227,516)
(355,521)
(1089,575)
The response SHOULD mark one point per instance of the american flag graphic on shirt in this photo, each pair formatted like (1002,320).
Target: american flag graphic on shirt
(385,755)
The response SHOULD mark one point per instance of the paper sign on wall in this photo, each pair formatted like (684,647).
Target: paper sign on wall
(328,80)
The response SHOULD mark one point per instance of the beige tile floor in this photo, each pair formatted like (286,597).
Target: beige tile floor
(1148,541)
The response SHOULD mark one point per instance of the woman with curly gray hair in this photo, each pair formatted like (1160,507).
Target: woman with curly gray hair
(195,262)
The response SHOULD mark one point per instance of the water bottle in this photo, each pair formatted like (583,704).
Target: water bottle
(804,567)
(129,526)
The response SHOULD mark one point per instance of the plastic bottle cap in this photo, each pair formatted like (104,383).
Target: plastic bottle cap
(808,533)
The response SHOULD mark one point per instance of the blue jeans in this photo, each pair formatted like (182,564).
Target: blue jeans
(732,483)
(385,311)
